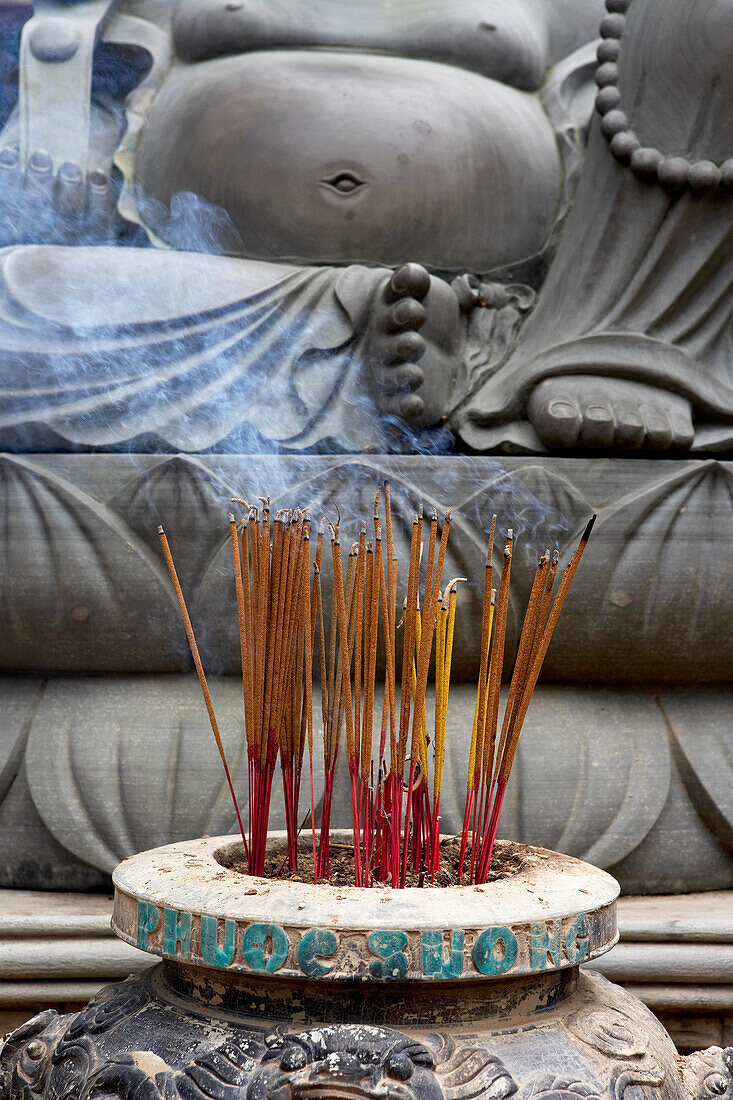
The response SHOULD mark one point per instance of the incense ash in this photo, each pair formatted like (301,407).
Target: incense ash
(396,751)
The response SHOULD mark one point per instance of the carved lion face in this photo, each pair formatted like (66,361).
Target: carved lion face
(345,1062)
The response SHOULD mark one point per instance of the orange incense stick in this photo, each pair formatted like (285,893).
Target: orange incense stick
(188,627)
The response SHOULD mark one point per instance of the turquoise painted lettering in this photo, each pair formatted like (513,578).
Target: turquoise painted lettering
(392,961)
(576,939)
(177,930)
(546,944)
(211,952)
(265,947)
(495,950)
(147,921)
(317,944)
(433,963)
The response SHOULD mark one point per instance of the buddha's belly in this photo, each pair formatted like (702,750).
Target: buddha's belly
(328,157)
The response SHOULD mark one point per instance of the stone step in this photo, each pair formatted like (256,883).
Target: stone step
(700,963)
(703,917)
(68,957)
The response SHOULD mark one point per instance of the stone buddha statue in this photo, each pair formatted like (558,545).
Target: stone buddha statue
(354,227)
(371,218)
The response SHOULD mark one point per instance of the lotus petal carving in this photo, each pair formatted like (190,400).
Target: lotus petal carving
(704,752)
(118,765)
(75,577)
(653,601)
(596,797)
(190,500)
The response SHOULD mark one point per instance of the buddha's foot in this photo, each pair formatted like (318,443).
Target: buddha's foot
(609,413)
(417,335)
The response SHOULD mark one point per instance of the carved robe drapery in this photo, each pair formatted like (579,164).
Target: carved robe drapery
(640,287)
(175,351)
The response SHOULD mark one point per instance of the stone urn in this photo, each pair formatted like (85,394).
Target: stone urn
(280,990)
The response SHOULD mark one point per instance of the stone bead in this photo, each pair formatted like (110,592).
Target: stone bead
(617,5)
(624,145)
(607,74)
(607,99)
(705,176)
(614,123)
(613,25)
(608,49)
(645,161)
(726,173)
(674,172)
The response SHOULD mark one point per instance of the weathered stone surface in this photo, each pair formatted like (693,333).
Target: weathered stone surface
(70,959)
(550,913)
(579,785)
(632,778)
(693,918)
(29,854)
(703,964)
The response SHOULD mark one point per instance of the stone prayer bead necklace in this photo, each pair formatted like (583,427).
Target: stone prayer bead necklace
(673,172)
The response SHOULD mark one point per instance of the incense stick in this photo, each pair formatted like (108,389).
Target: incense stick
(279,602)
(200,671)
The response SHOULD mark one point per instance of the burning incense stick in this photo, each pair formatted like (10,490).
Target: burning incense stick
(283,631)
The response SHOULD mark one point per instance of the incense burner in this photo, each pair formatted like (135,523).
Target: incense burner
(279,990)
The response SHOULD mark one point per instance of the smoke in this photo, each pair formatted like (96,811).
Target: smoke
(179,346)
(159,338)
(190,224)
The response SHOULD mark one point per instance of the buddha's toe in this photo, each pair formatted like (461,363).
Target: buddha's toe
(556,417)
(404,379)
(658,431)
(403,316)
(404,293)
(408,347)
(683,431)
(407,315)
(667,422)
(408,281)
(630,427)
(409,407)
(599,424)
(398,389)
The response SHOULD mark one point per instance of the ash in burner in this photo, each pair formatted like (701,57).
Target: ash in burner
(509,858)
